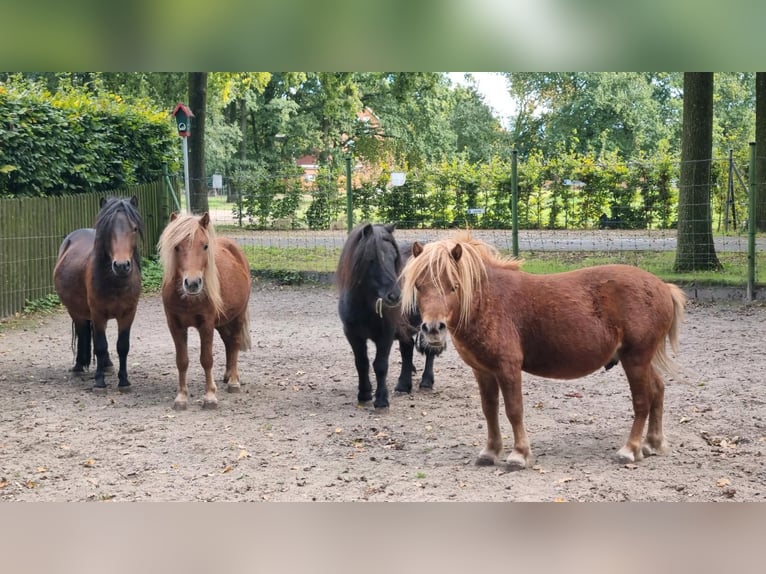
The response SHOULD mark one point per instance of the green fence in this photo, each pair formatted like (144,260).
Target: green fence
(32,229)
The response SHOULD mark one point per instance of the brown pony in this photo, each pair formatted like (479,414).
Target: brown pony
(503,321)
(98,277)
(195,264)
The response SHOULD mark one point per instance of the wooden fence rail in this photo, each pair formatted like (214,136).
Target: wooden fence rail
(32,229)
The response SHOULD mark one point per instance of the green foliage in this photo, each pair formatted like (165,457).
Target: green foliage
(151,275)
(44,304)
(74,141)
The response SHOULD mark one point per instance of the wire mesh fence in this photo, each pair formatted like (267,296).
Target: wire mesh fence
(568,216)
(572,216)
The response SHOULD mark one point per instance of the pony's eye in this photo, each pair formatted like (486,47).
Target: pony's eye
(204,247)
(455,287)
(176,248)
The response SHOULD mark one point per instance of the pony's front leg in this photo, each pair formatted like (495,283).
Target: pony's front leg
(123,347)
(362,364)
(180,336)
(489,406)
(510,386)
(404,384)
(427,381)
(100,347)
(380,366)
(230,334)
(209,401)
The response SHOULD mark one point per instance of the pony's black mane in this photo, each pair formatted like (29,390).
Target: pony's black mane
(360,250)
(106,219)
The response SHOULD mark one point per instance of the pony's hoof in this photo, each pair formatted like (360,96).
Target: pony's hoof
(235,388)
(180,406)
(125,388)
(650,450)
(109,369)
(426,388)
(486,459)
(381,410)
(515,461)
(403,389)
(209,405)
(99,390)
(626,455)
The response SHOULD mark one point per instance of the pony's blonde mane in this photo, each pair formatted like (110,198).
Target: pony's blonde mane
(468,274)
(183,228)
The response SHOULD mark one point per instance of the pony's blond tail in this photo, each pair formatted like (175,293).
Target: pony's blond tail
(244,335)
(661,359)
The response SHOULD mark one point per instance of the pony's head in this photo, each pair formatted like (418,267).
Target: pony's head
(371,260)
(443,280)
(118,226)
(187,249)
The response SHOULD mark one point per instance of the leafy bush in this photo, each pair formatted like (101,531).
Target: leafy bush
(73,141)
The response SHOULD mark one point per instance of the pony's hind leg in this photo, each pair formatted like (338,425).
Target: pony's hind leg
(510,386)
(640,377)
(84,342)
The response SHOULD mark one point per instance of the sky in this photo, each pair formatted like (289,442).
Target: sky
(494,88)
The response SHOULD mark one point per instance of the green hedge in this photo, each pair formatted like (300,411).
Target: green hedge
(75,142)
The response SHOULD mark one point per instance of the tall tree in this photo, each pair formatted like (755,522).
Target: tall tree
(760,148)
(198,181)
(696,250)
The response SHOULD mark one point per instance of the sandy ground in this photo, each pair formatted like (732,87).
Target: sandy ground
(295,433)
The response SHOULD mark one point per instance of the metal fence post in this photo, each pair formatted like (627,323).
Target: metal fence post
(751,227)
(349,195)
(514,203)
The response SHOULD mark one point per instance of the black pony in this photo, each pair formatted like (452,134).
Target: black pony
(369,307)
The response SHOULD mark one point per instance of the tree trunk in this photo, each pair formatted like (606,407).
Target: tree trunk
(198,181)
(760,150)
(696,250)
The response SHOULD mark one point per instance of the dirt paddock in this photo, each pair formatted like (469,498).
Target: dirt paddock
(295,433)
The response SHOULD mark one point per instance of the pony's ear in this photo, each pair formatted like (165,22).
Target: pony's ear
(456,252)
(134,201)
(173,216)
(417,249)
(204,221)
(102,203)
(390,227)
(367,229)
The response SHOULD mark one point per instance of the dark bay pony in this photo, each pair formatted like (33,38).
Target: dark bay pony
(367,278)
(98,277)
(205,285)
(566,325)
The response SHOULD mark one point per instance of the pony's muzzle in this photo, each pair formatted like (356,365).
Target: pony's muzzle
(193,286)
(433,334)
(121,268)
(393,298)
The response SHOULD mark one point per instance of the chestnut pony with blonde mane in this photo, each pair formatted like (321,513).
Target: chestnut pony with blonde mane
(503,321)
(194,262)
